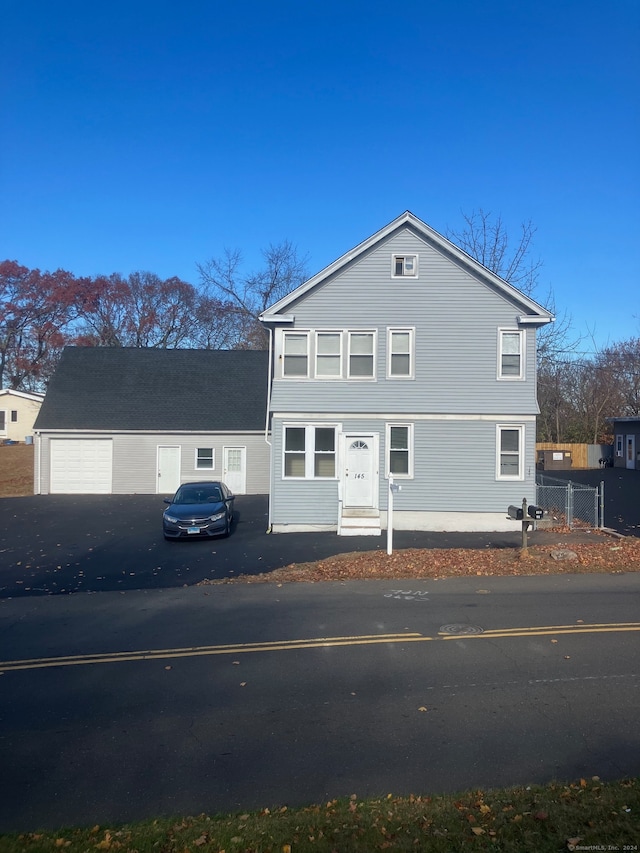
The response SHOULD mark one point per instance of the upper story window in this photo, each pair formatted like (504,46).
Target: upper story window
(329,354)
(296,354)
(400,351)
(404,265)
(361,355)
(510,354)
(509,452)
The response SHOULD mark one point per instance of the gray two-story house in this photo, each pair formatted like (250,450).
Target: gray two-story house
(405,358)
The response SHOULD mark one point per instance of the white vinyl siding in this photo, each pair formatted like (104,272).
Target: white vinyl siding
(510,357)
(510,452)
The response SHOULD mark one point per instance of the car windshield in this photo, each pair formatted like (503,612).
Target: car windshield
(198,495)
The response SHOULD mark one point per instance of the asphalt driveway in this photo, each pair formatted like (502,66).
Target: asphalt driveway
(61,544)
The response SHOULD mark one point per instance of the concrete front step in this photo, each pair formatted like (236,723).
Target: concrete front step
(360,523)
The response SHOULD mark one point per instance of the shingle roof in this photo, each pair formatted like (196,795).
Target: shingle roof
(113,388)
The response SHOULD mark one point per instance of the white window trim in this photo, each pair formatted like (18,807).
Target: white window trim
(403,255)
(299,333)
(211,467)
(410,330)
(3,428)
(387,450)
(521,438)
(310,449)
(522,374)
(374,354)
(329,376)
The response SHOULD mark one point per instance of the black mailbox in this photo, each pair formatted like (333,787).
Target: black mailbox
(515,512)
(533,511)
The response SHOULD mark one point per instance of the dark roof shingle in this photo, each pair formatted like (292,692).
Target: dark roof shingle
(114,388)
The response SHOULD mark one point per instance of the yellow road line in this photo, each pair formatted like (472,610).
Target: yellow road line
(199,651)
(312,643)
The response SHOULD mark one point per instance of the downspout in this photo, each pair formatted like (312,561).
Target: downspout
(38,466)
(266,426)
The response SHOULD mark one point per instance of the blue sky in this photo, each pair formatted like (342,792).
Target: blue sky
(153,134)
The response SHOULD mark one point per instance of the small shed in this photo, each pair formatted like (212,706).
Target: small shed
(626,442)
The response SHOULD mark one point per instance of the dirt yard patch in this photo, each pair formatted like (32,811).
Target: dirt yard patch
(16,470)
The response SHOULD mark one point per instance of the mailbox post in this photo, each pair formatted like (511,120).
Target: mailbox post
(393,488)
(526,514)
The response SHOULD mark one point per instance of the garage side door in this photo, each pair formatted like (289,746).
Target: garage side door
(81,466)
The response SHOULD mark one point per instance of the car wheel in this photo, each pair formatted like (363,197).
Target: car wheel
(227,527)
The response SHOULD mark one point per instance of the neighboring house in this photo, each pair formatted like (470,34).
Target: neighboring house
(626,442)
(129,420)
(18,411)
(404,357)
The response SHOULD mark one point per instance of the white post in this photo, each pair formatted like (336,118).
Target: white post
(390,516)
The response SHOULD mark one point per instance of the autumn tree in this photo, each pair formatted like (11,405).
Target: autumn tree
(36,309)
(252,293)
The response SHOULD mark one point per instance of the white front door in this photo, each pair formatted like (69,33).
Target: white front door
(631,451)
(234,469)
(168,470)
(360,476)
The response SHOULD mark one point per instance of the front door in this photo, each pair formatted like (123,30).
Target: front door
(168,470)
(234,469)
(631,451)
(360,476)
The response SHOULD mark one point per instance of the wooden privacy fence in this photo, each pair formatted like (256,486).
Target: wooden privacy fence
(582,455)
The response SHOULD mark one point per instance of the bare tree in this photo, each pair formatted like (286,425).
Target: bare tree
(251,294)
(486,239)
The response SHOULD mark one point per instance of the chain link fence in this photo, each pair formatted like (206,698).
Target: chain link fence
(572,504)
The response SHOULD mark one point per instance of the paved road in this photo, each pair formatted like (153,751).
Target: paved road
(200,721)
(57,544)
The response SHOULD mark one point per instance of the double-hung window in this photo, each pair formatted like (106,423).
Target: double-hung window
(400,353)
(295,355)
(509,463)
(361,355)
(204,458)
(399,444)
(329,355)
(511,355)
(309,452)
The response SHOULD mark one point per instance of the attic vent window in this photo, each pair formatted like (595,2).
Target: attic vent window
(404,265)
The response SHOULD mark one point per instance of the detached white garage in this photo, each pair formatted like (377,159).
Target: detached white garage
(81,466)
(124,421)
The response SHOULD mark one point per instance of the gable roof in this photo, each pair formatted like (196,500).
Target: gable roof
(533,313)
(123,388)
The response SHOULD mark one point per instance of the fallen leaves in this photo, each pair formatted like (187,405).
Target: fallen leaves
(437,563)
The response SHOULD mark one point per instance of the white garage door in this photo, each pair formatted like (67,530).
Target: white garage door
(81,466)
